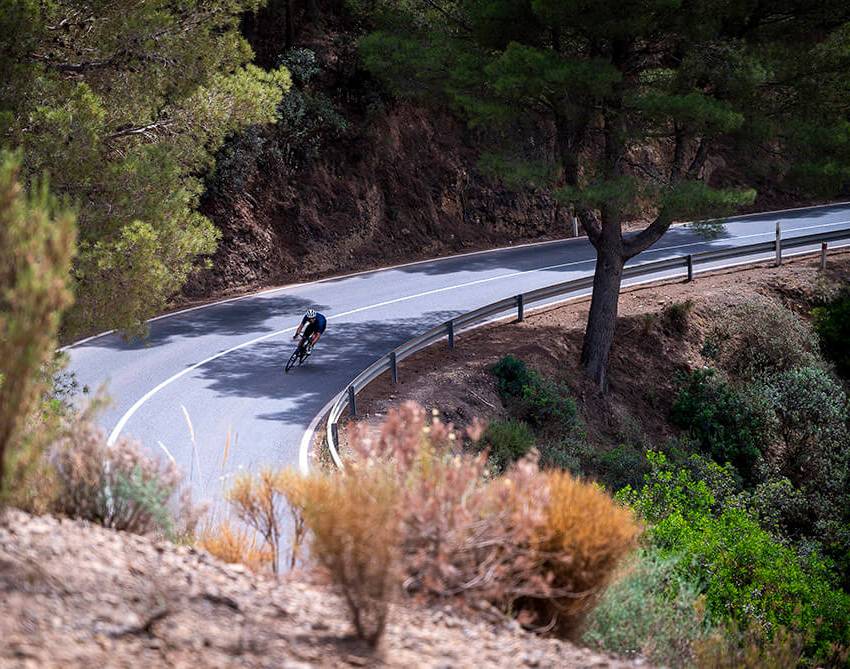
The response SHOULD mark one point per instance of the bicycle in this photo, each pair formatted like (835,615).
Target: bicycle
(299,355)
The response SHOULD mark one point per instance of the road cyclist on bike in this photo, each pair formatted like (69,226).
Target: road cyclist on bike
(313,325)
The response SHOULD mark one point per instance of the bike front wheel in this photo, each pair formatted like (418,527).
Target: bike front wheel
(293,359)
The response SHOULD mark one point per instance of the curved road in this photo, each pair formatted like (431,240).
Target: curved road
(220,367)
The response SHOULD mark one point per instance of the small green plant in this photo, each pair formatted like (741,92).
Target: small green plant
(539,401)
(512,375)
(545,403)
(652,611)
(832,324)
(621,466)
(508,441)
(726,423)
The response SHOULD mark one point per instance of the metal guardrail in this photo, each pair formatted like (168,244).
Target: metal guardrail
(449,329)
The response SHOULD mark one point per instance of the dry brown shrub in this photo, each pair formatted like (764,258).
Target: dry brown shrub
(120,486)
(531,542)
(353,519)
(258,502)
(584,537)
(235,545)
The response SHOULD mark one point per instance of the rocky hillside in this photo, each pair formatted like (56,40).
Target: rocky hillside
(77,595)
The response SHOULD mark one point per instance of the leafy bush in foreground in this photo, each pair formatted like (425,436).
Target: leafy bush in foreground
(120,487)
(37,242)
(832,324)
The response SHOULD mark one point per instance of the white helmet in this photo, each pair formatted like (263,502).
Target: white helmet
(311,313)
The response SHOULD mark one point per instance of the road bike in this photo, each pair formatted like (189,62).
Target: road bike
(300,354)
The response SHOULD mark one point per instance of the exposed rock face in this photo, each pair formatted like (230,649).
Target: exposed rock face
(77,595)
(404,186)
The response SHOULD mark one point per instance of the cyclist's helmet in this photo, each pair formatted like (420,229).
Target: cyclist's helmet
(311,313)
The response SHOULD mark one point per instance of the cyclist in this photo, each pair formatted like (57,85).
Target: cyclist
(314,325)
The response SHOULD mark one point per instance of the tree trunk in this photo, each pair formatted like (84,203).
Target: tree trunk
(599,334)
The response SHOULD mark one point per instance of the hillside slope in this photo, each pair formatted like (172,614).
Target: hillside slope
(77,595)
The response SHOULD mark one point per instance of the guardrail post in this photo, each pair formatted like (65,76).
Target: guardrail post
(352,403)
(520,310)
(778,243)
(393,367)
(451,328)
(823,247)
(575,225)
(690,267)
(335,433)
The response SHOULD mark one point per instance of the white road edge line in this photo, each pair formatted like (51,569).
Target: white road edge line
(119,427)
(266,291)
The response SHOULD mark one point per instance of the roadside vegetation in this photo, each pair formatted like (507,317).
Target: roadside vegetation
(726,545)
(744,557)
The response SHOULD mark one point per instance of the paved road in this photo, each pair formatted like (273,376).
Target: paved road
(221,366)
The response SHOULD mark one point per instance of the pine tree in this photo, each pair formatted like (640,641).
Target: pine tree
(580,93)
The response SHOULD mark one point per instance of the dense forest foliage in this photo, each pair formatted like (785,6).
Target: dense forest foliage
(124,106)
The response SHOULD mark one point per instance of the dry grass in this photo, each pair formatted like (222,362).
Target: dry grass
(258,502)
(235,545)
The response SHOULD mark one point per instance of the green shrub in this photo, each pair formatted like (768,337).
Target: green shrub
(512,375)
(726,423)
(761,337)
(570,452)
(546,403)
(832,324)
(811,420)
(531,397)
(653,611)
(747,576)
(676,316)
(621,466)
(508,441)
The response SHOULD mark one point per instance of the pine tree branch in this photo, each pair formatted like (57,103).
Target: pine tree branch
(646,237)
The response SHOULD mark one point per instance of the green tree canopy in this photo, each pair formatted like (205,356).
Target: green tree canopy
(616,106)
(124,105)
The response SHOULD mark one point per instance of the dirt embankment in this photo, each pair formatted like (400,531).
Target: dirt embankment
(77,595)
(649,349)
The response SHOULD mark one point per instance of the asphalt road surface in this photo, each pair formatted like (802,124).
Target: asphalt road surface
(219,368)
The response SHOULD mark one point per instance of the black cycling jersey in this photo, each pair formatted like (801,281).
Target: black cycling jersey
(318,324)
